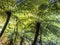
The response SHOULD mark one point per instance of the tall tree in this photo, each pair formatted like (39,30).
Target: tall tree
(36,33)
(7,21)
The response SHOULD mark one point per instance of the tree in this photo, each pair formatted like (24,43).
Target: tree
(36,33)
(6,23)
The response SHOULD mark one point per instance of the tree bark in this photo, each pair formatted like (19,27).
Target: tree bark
(36,33)
(6,23)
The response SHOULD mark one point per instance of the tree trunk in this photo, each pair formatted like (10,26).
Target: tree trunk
(36,33)
(40,37)
(6,23)
(22,40)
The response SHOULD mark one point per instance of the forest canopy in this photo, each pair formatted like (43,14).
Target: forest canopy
(29,22)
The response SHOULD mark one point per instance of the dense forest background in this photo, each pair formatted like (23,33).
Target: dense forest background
(29,22)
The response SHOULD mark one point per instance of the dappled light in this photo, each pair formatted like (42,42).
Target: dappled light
(29,22)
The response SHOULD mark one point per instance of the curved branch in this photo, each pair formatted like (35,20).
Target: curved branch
(6,23)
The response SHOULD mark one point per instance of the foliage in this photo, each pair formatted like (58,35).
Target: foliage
(27,12)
